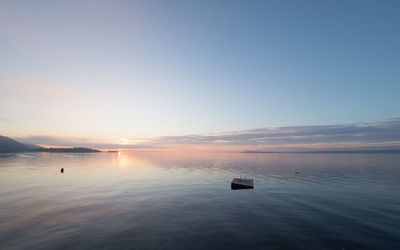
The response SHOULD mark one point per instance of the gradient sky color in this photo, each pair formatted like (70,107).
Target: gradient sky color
(131,69)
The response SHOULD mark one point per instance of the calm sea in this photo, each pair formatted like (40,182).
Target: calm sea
(169,200)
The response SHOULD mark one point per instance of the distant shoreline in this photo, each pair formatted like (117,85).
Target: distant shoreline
(61,150)
(369,151)
(66,150)
(8,145)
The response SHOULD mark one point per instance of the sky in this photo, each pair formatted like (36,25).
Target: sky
(121,72)
(377,135)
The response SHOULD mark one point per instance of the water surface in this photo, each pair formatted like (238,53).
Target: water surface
(170,200)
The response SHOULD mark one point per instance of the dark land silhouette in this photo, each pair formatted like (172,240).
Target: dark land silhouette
(8,145)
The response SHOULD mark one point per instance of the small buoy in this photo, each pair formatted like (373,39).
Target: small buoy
(62,170)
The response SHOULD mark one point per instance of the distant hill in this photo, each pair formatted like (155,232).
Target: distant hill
(8,145)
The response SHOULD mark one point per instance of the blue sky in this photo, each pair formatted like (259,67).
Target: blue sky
(127,69)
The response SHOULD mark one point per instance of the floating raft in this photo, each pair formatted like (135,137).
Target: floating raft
(239,183)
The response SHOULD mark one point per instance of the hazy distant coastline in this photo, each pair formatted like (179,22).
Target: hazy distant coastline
(8,145)
(364,151)
(67,150)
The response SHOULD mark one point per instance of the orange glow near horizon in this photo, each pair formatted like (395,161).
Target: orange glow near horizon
(235,148)
(51,146)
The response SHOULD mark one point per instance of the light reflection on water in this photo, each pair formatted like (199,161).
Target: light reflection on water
(172,200)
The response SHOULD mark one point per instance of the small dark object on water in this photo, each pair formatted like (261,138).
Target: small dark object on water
(240,183)
(297,172)
(62,170)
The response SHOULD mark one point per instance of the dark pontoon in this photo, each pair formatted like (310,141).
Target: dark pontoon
(240,183)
